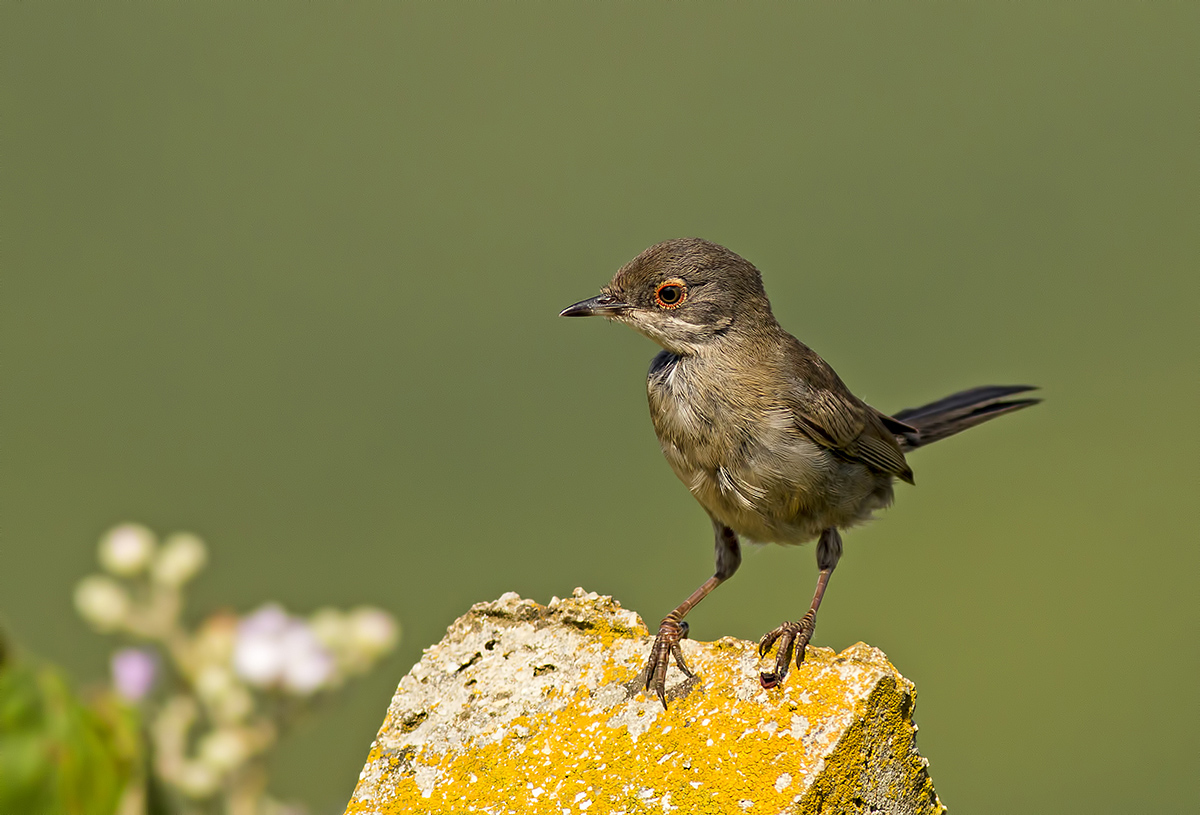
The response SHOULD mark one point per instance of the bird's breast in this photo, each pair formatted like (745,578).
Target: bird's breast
(740,454)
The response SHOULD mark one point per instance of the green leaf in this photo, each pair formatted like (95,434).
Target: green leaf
(57,755)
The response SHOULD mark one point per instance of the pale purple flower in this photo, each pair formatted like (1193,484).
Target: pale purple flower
(270,619)
(273,648)
(133,672)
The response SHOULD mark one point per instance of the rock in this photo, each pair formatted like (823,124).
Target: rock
(525,708)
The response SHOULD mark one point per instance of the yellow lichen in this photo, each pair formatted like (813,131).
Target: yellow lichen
(814,745)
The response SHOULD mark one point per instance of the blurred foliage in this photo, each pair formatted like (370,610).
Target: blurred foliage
(216,697)
(60,755)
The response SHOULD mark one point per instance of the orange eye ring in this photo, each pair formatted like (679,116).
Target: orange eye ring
(670,294)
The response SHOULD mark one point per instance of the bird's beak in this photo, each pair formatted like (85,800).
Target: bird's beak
(604,305)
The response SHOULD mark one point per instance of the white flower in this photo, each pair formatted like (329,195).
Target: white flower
(306,663)
(257,656)
(182,556)
(102,602)
(126,550)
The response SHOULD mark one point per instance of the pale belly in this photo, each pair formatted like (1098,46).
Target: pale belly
(752,470)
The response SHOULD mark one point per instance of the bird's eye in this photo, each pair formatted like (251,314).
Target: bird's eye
(670,294)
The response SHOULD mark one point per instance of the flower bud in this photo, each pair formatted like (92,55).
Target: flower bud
(102,602)
(182,557)
(234,705)
(215,639)
(223,750)
(196,779)
(126,550)
(329,626)
(373,631)
(213,681)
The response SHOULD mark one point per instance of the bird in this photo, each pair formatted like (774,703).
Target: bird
(760,429)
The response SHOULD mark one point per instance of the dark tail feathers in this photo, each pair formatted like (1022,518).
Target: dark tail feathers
(917,427)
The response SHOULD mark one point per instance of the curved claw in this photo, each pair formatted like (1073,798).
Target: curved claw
(677,652)
(793,637)
(666,646)
(768,639)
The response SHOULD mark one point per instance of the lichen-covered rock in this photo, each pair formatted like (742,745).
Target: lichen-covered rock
(525,708)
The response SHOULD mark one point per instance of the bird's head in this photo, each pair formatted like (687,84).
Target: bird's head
(684,294)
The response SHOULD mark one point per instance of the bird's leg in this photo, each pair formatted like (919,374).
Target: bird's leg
(795,635)
(672,629)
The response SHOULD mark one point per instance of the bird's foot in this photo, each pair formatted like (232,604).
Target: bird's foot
(792,636)
(666,645)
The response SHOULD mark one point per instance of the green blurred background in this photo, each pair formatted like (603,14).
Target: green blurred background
(287,276)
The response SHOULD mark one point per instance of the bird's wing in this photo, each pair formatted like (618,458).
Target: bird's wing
(836,419)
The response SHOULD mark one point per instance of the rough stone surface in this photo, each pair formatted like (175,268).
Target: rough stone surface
(525,708)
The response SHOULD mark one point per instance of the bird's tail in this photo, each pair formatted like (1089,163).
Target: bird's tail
(917,427)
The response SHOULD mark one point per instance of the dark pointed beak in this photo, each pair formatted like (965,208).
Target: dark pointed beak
(604,305)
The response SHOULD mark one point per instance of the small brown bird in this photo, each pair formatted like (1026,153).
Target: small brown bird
(761,430)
